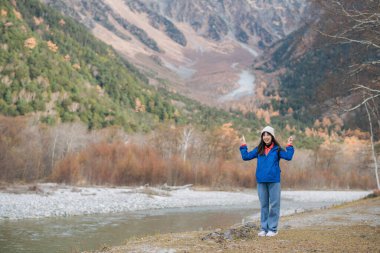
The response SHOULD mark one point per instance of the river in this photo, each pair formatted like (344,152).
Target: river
(78,233)
(91,232)
(246,85)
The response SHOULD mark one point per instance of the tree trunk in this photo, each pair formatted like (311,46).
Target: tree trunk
(372,145)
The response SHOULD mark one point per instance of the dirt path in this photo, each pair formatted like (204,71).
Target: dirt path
(351,227)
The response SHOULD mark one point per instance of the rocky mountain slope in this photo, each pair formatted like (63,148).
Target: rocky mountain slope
(318,67)
(57,70)
(203,49)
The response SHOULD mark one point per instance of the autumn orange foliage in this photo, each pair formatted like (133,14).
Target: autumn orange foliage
(173,155)
(131,164)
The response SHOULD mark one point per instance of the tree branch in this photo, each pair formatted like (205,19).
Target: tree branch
(362,103)
(364,42)
(360,67)
(360,86)
(359,21)
(359,13)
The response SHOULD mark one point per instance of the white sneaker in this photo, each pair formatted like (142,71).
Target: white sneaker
(262,233)
(271,233)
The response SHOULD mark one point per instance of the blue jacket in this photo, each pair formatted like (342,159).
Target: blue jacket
(268,166)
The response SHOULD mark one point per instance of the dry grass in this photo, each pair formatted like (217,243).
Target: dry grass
(129,164)
(121,164)
(358,238)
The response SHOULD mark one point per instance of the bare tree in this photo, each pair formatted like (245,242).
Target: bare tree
(373,146)
(187,134)
(359,25)
(64,139)
(371,109)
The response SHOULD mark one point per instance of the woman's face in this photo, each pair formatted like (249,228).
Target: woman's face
(267,138)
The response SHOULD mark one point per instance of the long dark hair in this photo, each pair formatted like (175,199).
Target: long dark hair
(261,147)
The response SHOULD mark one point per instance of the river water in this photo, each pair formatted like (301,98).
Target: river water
(78,233)
(91,232)
(246,86)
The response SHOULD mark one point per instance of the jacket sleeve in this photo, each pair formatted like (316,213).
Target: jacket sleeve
(245,155)
(287,153)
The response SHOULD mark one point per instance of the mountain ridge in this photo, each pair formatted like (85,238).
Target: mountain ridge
(181,35)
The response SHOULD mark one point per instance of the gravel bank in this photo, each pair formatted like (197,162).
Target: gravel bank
(51,200)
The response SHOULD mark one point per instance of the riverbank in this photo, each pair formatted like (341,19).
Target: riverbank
(349,227)
(55,200)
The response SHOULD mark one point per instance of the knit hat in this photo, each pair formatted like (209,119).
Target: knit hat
(269,130)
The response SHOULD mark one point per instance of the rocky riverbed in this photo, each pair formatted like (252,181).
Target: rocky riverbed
(54,200)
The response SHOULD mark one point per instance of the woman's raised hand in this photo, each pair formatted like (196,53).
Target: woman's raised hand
(290,140)
(242,141)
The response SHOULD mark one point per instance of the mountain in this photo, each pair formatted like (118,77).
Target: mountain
(202,49)
(261,57)
(55,69)
(318,66)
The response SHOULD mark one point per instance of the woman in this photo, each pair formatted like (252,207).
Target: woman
(268,171)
